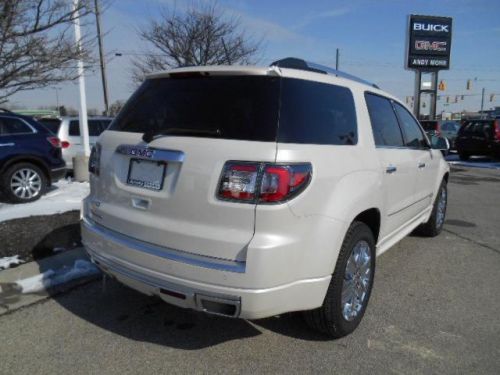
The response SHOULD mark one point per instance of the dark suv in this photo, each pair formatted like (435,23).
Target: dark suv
(30,158)
(479,137)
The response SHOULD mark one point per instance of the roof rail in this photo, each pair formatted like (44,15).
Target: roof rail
(300,64)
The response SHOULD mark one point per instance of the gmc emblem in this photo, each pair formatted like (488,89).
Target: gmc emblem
(425,45)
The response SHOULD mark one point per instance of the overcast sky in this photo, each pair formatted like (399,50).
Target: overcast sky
(370,35)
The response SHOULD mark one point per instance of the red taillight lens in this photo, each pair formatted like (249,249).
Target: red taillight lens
(282,182)
(263,182)
(239,181)
(54,141)
(65,144)
(497,129)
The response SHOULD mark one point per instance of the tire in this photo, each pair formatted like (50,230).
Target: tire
(330,318)
(463,156)
(23,183)
(436,221)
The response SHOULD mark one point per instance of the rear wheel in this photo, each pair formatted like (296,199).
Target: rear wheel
(23,183)
(350,287)
(435,224)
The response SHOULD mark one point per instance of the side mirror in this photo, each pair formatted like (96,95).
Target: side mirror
(440,143)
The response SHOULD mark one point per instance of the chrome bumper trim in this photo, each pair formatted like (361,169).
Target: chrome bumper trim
(163,252)
(194,298)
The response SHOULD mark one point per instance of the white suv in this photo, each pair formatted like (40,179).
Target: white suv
(249,192)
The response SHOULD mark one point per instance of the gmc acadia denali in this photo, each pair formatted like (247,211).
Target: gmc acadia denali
(249,192)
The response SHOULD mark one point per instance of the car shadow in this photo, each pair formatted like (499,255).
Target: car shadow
(130,314)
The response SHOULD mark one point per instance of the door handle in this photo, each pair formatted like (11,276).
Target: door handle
(421,165)
(391,169)
(7,144)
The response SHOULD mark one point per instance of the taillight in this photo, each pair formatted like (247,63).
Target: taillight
(95,160)
(497,129)
(54,141)
(263,182)
(65,144)
(239,181)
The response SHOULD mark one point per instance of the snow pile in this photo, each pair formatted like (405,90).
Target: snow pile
(63,196)
(51,278)
(7,262)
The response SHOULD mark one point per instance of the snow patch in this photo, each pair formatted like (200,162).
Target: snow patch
(7,262)
(64,196)
(51,278)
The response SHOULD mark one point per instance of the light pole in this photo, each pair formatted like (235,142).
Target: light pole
(101,58)
(84,129)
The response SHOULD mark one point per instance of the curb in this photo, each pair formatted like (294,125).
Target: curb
(50,275)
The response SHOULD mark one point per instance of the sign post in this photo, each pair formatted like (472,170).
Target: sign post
(428,50)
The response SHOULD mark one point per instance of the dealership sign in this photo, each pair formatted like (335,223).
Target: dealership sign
(428,43)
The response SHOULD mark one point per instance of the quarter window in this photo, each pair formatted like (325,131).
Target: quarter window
(12,126)
(385,127)
(316,113)
(413,135)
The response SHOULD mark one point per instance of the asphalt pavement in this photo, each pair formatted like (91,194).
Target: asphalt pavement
(434,310)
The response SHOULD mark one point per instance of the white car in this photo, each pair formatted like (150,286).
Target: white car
(67,128)
(254,191)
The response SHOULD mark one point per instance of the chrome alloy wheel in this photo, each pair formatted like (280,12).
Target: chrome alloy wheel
(357,280)
(26,183)
(441,208)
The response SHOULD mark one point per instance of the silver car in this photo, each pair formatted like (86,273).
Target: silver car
(67,128)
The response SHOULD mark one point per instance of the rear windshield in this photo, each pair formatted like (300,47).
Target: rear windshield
(476,127)
(51,123)
(429,125)
(242,108)
(230,107)
(96,127)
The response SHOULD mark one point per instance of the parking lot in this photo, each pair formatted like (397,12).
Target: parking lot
(434,309)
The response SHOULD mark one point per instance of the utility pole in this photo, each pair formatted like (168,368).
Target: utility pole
(101,58)
(84,129)
(482,102)
(337,60)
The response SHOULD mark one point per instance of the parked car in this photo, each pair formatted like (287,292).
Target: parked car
(68,130)
(30,158)
(479,137)
(221,210)
(442,128)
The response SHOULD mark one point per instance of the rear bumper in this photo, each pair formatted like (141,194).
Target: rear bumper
(138,264)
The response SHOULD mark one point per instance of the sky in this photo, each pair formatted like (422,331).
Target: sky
(371,36)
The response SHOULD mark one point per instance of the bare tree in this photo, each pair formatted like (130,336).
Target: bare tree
(202,35)
(115,107)
(37,47)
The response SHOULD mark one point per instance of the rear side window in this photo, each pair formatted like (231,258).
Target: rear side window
(316,113)
(52,124)
(228,107)
(385,126)
(12,126)
(413,135)
(95,128)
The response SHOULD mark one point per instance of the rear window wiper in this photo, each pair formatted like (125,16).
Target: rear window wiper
(151,135)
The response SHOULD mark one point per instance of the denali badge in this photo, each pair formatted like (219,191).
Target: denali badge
(142,152)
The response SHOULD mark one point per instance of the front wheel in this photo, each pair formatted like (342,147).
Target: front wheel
(436,221)
(350,287)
